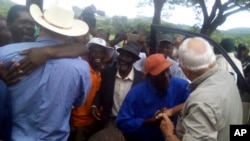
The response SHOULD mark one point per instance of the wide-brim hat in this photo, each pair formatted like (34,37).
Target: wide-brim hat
(59,20)
(155,64)
(102,43)
(132,47)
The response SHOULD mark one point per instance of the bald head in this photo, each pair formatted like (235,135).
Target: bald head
(196,53)
(197,45)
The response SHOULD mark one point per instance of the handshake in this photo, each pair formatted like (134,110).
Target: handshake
(158,117)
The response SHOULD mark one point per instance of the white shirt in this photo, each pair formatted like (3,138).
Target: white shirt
(139,64)
(176,71)
(122,86)
(223,63)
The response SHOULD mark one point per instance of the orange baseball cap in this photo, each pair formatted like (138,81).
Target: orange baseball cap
(155,64)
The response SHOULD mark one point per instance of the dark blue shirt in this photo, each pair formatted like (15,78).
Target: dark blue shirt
(142,102)
(5,114)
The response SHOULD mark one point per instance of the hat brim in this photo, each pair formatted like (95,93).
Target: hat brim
(109,50)
(125,49)
(78,28)
(166,40)
(160,68)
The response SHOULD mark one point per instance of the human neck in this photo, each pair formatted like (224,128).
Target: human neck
(45,32)
(124,73)
(198,73)
(95,67)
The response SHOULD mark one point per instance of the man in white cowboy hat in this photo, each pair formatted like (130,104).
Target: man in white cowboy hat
(42,101)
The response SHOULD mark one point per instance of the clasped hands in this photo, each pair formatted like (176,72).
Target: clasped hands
(166,125)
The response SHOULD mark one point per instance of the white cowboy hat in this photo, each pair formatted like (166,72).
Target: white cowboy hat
(102,43)
(59,20)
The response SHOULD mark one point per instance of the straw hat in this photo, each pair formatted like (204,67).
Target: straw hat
(59,19)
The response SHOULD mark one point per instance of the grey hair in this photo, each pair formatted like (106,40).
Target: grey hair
(196,54)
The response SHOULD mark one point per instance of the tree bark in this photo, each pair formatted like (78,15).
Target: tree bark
(158,5)
(37,2)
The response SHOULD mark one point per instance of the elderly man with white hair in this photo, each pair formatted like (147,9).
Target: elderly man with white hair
(208,111)
(42,101)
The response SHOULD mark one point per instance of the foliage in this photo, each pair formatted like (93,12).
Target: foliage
(210,14)
(214,13)
(4,7)
(240,35)
(122,24)
(169,6)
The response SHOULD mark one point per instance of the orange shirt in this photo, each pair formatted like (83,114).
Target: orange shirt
(81,116)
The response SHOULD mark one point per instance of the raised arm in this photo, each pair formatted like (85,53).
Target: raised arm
(35,57)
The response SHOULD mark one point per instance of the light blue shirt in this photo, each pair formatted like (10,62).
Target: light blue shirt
(42,101)
(175,70)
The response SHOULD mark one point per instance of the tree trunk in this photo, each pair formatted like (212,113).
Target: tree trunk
(37,2)
(158,5)
(209,27)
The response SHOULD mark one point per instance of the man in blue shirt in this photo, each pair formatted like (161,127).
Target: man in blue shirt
(159,92)
(42,101)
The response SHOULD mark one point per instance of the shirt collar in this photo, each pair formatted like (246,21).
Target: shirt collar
(129,77)
(195,83)
(49,39)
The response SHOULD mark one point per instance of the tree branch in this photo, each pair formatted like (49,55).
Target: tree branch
(234,11)
(231,7)
(227,3)
(204,9)
(217,5)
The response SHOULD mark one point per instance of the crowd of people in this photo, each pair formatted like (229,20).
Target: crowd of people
(61,79)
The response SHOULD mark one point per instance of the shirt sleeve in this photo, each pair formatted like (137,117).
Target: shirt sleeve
(199,124)
(85,84)
(126,120)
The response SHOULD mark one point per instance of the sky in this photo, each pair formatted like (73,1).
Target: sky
(128,8)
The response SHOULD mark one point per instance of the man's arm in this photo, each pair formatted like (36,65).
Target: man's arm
(176,109)
(117,40)
(167,127)
(170,111)
(35,57)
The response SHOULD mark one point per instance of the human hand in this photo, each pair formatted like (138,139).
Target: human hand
(95,113)
(166,125)
(152,121)
(34,58)
(12,73)
(168,112)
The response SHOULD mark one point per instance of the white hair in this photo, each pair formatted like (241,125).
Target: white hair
(196,54)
